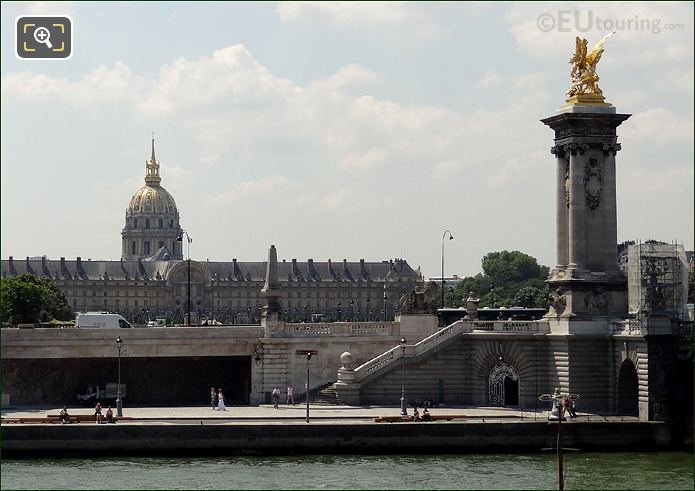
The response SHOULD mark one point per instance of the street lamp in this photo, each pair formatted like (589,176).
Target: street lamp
(450,238)
(492,294)
(368,310)
(119,403)
(404,411)
(352,307)
(179,238)
(385,297)
(339,311)
(308,359)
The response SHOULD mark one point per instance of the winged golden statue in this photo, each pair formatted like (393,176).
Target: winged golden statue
(584,76)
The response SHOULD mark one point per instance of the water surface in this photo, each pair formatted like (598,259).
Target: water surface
(670,470)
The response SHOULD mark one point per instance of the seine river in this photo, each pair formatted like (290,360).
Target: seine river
(503,471)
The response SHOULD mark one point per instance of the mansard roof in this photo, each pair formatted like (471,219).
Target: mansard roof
(155,269)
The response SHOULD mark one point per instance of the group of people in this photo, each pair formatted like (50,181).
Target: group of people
(275,396)
(426,416)
(97,414)
(217,399)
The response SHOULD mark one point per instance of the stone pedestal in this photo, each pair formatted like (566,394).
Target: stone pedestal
(586,282)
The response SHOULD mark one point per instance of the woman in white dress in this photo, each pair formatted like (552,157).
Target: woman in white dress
(220,401)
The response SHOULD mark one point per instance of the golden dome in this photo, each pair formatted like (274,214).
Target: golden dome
(152,199)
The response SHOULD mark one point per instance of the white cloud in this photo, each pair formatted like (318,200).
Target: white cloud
(349,76)
(361,15)
(658,126)
(544,30)
(41,8)
(99,87)
(491,78)
(250,190)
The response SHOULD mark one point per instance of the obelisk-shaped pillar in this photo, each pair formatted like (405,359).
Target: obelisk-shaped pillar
(270,318)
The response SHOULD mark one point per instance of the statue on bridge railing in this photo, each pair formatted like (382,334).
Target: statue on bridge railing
(419,301)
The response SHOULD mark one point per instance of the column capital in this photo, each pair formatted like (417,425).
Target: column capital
(611,148)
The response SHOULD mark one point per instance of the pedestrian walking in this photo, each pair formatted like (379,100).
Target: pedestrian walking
(220,401)
(573,413)
(275,395)
(213,398)
(290,394)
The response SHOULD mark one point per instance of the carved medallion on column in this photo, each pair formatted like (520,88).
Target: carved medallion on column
(592,183)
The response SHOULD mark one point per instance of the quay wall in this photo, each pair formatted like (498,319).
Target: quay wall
(321,437)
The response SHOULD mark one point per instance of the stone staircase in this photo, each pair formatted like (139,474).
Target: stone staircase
(323,395)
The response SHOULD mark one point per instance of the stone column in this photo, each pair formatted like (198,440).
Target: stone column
(577,211)
(611,223)
(561,208)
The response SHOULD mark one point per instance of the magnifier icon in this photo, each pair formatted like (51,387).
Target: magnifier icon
(43,35)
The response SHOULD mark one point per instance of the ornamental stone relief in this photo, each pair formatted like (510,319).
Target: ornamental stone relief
(592,183)
(597,301)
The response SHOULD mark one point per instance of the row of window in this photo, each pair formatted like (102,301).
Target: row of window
(117,293)
(170,224)
(108,302)
(146,247)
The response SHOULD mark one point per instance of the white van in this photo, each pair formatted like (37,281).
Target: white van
(101,320)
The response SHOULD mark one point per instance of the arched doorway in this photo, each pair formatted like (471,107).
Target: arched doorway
(503,386)
(628,389)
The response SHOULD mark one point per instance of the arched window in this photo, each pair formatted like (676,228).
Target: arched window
(147,223)
(134,248)
(135,223)
(147,248)
(161,223)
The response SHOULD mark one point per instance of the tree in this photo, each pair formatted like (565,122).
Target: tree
(29,299)
(518,280)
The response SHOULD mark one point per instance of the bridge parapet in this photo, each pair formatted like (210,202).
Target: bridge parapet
(147,342)
(539,326)
(338,329)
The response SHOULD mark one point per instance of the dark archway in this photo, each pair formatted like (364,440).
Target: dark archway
(511,391)
(628,389)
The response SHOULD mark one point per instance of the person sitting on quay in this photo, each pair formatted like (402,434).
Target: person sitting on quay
(97,413)
(64,416)
(426,416)
(416,415)
(109,415)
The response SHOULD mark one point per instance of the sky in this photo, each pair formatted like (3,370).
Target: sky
(337,130)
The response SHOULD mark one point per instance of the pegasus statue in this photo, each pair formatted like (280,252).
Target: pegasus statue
(584,76)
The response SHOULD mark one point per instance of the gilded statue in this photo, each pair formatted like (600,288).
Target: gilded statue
(584,76)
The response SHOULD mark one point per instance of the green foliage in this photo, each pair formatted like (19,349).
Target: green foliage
(28,299)
(518,280)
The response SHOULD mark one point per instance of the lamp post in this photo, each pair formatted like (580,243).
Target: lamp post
(119,403)
(404,410)
(385,297)
(308,359)
(352,307)
(450,238)
(492,294)
(339,311)
(188,289)
(367,310)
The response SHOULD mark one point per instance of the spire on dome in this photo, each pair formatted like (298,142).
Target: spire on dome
(152,169)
